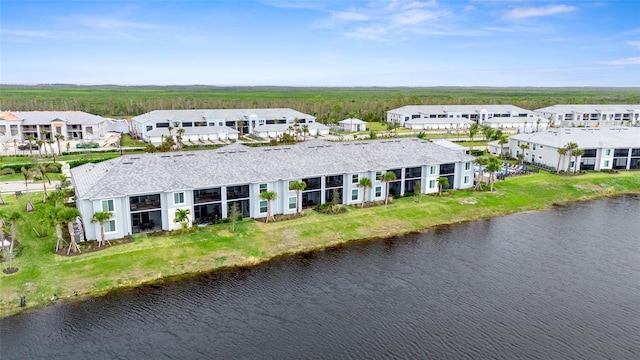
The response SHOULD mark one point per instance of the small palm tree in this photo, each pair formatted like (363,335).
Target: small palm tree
(42,171)
(30,140)
(56,197)
(3,216)
(482,162)
(298,186)
(180,132)
(571,147)
(502,140)
(268,196)
(473,130)
(67,215)
(562,151)
(39,143)
(577,153)
(492,167)
(182,217)
(523,147)
(28,174)
(12,218)
(364,183)
(443,183)
(387,177)
(58,138)
(101,217)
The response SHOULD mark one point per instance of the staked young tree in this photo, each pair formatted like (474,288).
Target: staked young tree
(472,132)
(387,177)
(28,174)
(101,217)
(443,182)
(298,186)
(268,196)
(571,147)
(493,166)
(364,183)
(12,218)
(562,151)
(577,153)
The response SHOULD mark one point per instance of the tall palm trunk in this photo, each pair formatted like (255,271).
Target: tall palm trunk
(72,244)
(60,237)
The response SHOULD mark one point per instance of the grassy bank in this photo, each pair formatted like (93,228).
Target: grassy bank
(147,258)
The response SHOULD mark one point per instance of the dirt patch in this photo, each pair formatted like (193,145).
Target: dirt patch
(92,246)
(468,201)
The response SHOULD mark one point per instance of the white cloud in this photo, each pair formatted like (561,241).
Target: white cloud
(523,13)
(635,44)
(350,16)
(623,61)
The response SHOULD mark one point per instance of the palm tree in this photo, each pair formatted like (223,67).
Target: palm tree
(502,140)
(482,162)
(388,177)
(180,132)
(473,130)
(42,171)
(492,167)
(269,196)
(182,217)
(53,154)
(523,147)
(571,147)
(39,143)
(28,174)
(577,153)
(58,138)
(101,217)
(298,186)
(67,215)
(488,133)
(30,140)
(364,183)
(561,153)
(12,218)
(443,182)
(3,215)
(305,131)
(57,197)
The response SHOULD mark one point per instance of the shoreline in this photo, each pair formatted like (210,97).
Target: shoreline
(316,233)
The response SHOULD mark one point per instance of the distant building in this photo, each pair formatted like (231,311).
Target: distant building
(353,125)
(144,191)
(210,121)
(605,148)
(274,131)
(45,125)
(592,115)
(445,118)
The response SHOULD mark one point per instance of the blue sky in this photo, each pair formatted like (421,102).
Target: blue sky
(322,43)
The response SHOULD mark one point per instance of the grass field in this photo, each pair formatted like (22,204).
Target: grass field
(42,273)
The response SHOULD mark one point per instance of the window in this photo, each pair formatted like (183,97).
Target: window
(292,203)
(606,163)
(89,130)
(354,179)
(541,146)
(378,175)
(107,205)
(432,170)
(149,127)
(466,179)
(467,166)
(607,152)
(378,191)
(178,198)
(354,194)
(110,226)
(534,146)
(263,206)
(3,130)
(263,188)
(432,184)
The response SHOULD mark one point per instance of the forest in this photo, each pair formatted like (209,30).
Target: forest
(329,105)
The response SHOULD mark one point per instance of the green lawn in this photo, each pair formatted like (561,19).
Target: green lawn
(147,258)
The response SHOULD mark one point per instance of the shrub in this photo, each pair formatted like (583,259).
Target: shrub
(54,168)
(7,171)
(329,208)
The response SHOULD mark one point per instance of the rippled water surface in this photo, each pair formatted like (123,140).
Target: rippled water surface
(547,285)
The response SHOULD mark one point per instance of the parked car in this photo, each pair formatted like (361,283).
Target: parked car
(26,147)
(89,145)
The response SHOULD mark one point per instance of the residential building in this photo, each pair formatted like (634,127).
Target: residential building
(563,115)
(193,135)
(353,125)
(45,125)
(615,148)
(144,191)
(446,118)
(245,121)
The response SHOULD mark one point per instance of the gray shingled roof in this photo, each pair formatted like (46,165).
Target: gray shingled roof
(239,164)
(586,138)
(70,117)
(444,109)
(285,127)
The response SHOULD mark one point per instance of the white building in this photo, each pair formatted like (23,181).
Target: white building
(192,135)
(144,191)
(245,121)
(508,118)
(274,131)
(592,115)
(605,148)
(45,125)
(353,125)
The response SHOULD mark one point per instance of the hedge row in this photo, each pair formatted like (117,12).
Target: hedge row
(51,167)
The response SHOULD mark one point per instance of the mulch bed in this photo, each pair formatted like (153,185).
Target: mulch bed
(92,246)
